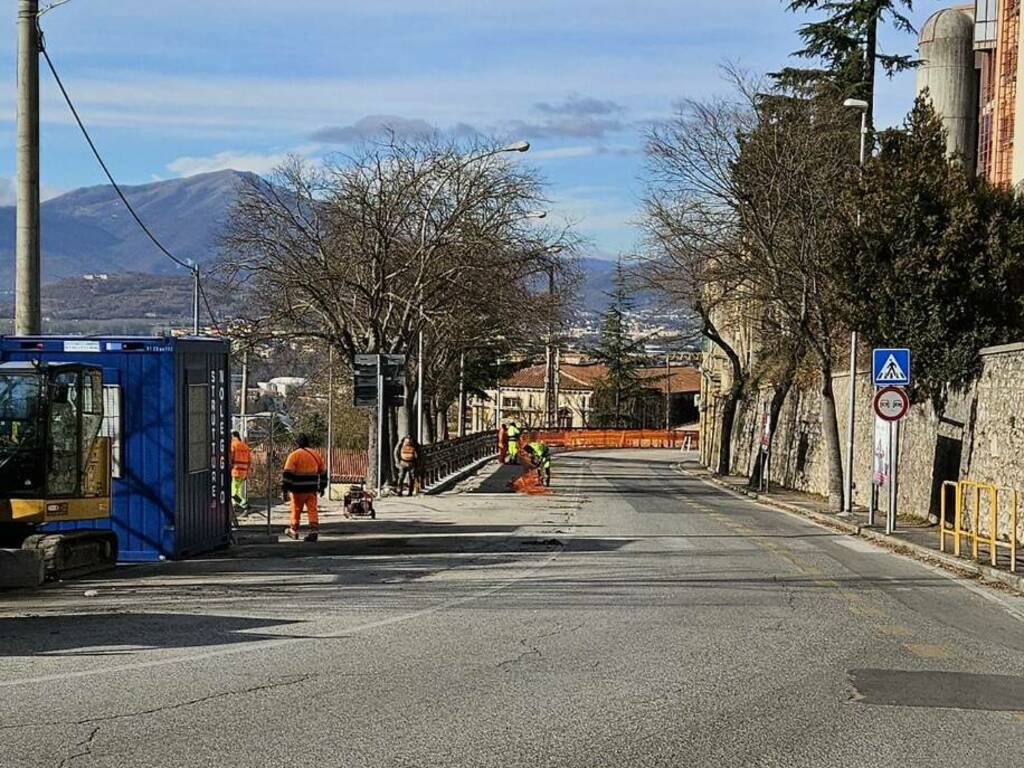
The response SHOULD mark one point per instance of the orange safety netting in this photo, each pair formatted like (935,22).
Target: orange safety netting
(614,438)
(529,483)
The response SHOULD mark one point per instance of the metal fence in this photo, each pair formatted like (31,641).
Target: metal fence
(985,515)
(347,466)
(440,460)
(437,461)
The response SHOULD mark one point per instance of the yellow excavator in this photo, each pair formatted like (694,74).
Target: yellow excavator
(55,465)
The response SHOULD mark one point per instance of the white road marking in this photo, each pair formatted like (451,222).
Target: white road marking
(860,545)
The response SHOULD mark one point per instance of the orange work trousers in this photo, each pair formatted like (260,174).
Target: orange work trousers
(307,501)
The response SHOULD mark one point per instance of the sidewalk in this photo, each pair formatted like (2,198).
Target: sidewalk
(913,537)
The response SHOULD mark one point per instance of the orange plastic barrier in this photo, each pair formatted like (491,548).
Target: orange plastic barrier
(616,438)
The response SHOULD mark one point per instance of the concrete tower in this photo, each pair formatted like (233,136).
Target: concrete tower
(947,71)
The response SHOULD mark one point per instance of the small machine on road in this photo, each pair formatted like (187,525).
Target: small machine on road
(359,502)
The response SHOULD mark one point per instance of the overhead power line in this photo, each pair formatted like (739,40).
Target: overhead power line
(103,165)
(117,187)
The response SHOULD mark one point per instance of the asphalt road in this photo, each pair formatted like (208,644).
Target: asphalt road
(637,617)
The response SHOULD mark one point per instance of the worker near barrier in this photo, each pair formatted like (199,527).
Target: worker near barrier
(304,478)
(241,461)
(514,433)
(407,459)
(502,443)
(539,456)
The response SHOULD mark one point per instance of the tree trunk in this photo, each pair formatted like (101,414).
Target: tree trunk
(442,422)
(830,434)
(392,435)
(870,57)
(371,450)
(428,418)
(732,398)
(729,407)
(779,396)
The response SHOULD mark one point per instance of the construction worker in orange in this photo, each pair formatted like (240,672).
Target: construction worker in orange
(407,458)
(305,478)
(502,443)
(241,460)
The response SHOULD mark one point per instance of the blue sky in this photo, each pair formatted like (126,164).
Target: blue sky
(184,86)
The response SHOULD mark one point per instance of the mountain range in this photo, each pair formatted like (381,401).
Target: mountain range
(89,232)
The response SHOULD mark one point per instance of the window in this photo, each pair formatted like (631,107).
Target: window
(62,461)
(986,22)
(92,411)
(112,425)
(198,434)
(21,435)
(511,402)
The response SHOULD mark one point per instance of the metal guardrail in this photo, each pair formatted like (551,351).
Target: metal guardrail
(440,460)
(976,503)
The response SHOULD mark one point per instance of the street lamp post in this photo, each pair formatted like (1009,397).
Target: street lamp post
(518,146)
(862,106)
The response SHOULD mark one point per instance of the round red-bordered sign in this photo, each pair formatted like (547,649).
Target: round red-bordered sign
(891,403)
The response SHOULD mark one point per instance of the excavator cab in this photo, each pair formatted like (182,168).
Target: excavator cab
(54,465)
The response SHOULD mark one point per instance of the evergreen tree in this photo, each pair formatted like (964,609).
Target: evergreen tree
(617,394)
(845,42)
(937,262)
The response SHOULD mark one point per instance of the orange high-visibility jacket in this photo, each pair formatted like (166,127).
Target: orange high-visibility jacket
(241,458)
(304,472)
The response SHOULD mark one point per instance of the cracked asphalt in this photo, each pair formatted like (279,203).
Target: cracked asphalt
(636,617)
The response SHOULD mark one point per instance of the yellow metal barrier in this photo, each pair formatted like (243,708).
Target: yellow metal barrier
(968,503)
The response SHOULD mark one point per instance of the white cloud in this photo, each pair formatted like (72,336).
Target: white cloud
(560,153)
(238,161)
(595,208)
(9,191)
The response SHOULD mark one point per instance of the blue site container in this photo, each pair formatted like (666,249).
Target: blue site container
(166,408)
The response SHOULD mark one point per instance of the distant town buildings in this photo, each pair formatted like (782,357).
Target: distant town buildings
(522,396)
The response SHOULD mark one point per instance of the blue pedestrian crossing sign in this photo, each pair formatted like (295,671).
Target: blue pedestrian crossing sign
(891,367)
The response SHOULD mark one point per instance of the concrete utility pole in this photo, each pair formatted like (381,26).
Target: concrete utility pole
(550,403)
(27,314)
(195,300)
(668,391)
(243,401)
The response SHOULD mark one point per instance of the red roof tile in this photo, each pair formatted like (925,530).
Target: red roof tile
(585,377)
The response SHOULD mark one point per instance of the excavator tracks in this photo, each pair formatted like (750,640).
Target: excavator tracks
(72,554)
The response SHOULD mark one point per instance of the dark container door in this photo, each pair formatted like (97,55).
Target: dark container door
(203,520)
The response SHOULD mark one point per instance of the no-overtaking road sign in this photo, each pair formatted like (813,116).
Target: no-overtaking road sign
(891,367)
(891,403)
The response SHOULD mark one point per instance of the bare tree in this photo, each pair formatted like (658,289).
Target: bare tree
(746,207)
(695,238)
(363,252)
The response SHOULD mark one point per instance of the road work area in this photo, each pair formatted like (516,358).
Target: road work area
(637,616)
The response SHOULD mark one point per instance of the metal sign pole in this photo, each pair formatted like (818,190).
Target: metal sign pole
(891,511)
(330,422)
(380,423)
(270,459)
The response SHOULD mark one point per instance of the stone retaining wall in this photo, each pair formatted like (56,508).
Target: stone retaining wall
(978,435)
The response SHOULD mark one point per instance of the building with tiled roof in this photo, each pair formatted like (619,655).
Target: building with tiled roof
(522,395)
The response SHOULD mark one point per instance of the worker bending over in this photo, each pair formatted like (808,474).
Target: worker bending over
(540,458)
(305,478)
